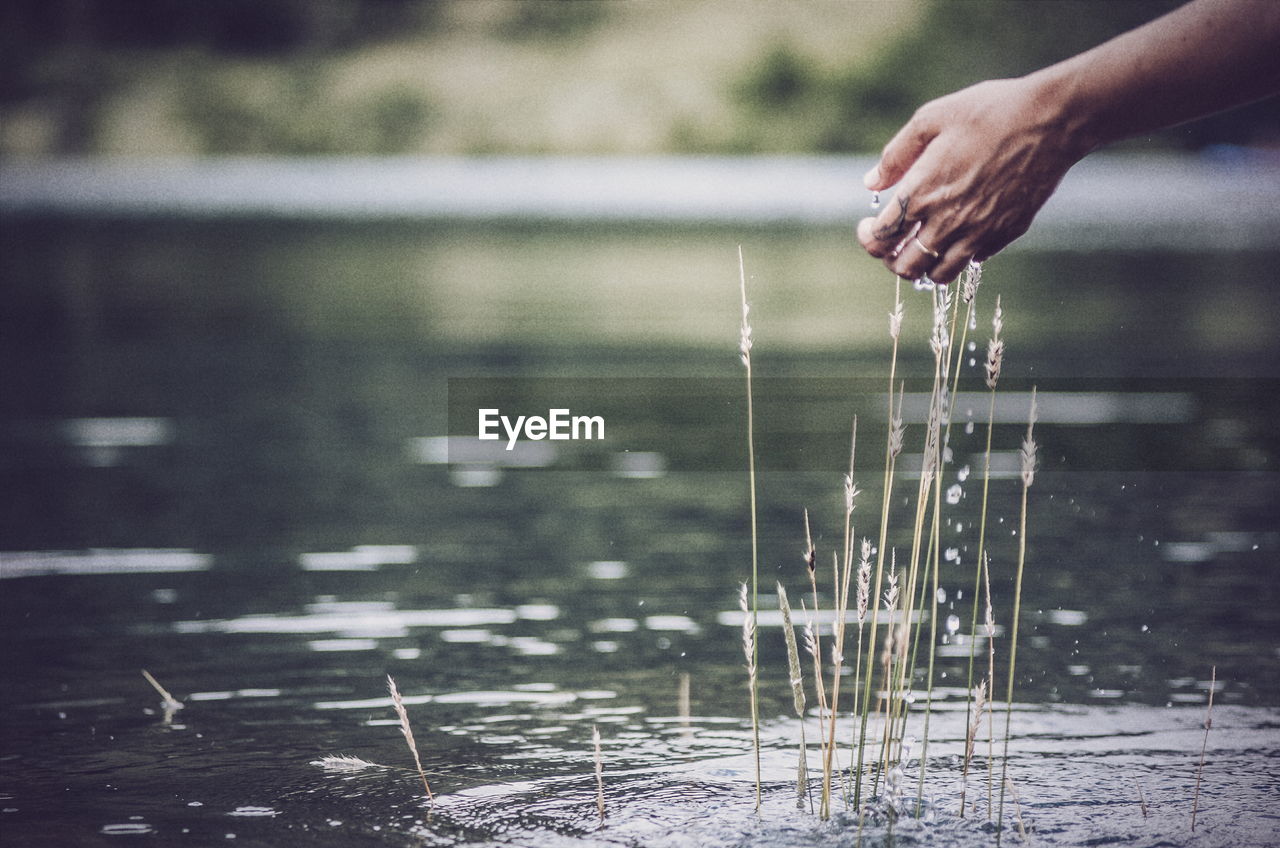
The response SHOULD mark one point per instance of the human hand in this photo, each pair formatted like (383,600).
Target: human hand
(973,169)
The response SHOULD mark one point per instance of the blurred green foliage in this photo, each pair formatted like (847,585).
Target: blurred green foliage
(859,107)
(69,63)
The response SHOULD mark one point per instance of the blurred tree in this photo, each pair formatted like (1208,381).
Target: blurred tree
(66,53)
(957,44)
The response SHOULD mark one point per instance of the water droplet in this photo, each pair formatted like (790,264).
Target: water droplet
(954,494)
(922,284)
(1145,629)
(968,429)
(952,555)
(875,200)
(953,623)
(963,473)
(972,345)
(959,527)
(942,596)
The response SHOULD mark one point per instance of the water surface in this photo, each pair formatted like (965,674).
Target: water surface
(222,445)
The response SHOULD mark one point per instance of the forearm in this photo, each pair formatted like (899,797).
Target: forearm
(1204,57)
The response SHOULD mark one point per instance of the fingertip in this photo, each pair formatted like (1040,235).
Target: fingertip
(863,231)
(872,178)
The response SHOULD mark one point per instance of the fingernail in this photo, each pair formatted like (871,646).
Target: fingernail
(872,177)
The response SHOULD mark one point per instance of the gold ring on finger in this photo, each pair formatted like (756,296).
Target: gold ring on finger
(916,241)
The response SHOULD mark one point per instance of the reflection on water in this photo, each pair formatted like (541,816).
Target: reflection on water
(284,514)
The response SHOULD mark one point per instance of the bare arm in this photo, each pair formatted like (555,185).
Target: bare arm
(973,168)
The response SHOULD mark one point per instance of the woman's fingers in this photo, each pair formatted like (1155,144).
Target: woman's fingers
(916,259)
(922,250)
(901,151)
(885,233)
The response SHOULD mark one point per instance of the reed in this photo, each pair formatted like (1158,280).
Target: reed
(863,602)
(1017,806)
(744,350)
(989,626)
(992,367)
(842,576)
(893,447)
(813,637)
(979,696)
(940,342)
(894,641)
(169,704)
(912,597)
(796,677)
(812,646)
(749,650)
(407,731)
(599,762)
(1204,746)
(684,705)
(929,467)
(1028,455)
(829,765)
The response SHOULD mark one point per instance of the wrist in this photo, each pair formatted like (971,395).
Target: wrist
(1064,111)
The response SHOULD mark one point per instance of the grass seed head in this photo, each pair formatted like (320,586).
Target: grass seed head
(864,579)
(1028,450)
(810,552)
(995,347)
(972,279)
(895,320)
(795,675)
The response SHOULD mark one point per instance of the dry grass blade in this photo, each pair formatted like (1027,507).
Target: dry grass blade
(403,715)
(595,741)
(796,675)
(793,653)
(744,349)
(971,737)
(343,763)
(979,702)
(1208,723)
(749,651)
(1017,806)
(170,703)
(1028,477)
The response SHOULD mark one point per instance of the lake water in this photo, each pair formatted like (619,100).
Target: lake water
(236,454)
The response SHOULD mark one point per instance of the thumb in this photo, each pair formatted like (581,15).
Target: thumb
(899,154)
